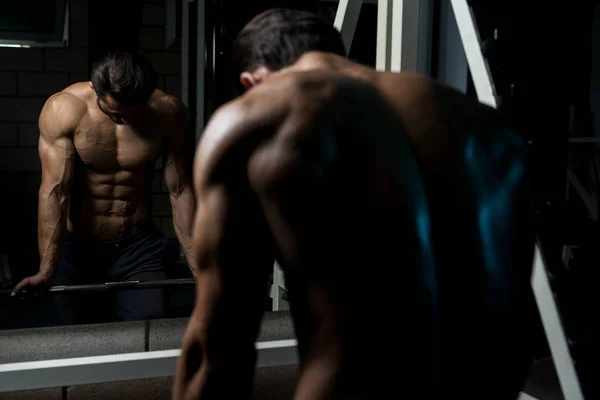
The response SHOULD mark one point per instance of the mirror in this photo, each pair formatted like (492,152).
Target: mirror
(120,257)
(120,231)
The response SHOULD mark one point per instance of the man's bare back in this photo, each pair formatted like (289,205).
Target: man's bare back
(383,197)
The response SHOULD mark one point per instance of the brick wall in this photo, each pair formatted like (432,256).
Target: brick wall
(27,77)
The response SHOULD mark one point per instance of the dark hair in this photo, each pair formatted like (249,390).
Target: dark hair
(277,37)
(127,76)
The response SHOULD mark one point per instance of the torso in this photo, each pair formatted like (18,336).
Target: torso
(381,154)
(111,192)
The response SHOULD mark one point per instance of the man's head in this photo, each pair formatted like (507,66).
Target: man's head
(123,82)
(277,38)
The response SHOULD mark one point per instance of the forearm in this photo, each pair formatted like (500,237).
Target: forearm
(215,380)
(184,208)
(52,211)
(224,334)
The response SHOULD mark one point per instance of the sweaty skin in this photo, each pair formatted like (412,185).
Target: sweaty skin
(97,173)
(324,166)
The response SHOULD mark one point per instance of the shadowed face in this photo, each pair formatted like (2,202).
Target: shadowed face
(118,112)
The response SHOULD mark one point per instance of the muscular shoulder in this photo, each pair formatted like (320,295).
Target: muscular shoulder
(167,106)
(235,130)
(61,114)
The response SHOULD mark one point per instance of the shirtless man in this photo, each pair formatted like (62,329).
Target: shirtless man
(99,142)
(397,207)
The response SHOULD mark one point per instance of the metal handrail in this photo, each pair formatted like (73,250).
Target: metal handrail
(107,286)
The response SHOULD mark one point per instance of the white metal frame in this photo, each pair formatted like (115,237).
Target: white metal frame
(278,290)
(590,200)
(482,79)
(384,35)
(403,35)
(119,367)
(453,69)
(346,19)
(525,396)
(404,51)
(557,340)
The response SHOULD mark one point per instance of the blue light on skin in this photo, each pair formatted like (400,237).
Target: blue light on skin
(495,190)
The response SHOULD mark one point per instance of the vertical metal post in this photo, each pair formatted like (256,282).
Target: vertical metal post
(404,35)
(425,36)
(278,289)
(384,34)
(346,19)
(185,51)
(404,53)
(200,66)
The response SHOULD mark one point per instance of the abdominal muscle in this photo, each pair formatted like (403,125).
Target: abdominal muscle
(109,206)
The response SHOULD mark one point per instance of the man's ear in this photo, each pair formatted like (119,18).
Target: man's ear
(247,80)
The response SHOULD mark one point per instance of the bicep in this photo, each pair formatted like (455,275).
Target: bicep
(58,119)
(230,231)
(230,224)
(56,157)
(178,156)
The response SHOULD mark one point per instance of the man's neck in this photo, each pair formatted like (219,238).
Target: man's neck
(333,63)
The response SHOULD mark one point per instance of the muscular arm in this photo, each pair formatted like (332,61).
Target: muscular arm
(234,251)
(58,121)
(177,174)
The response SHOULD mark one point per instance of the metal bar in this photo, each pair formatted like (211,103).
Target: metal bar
(126,285)
(346,19)
(119,367)
(278,289)
(588,200)
(525,396)
(363,1)
(200,66)
(404,53)
(171,22)
(425,43)
(404,29)
(480,73)
(384,35)
(567,181)
(453,69)
(584,140)
(185,52)
(67,27)
(555,334)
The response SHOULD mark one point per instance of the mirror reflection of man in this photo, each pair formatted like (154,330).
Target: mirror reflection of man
(99,142)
